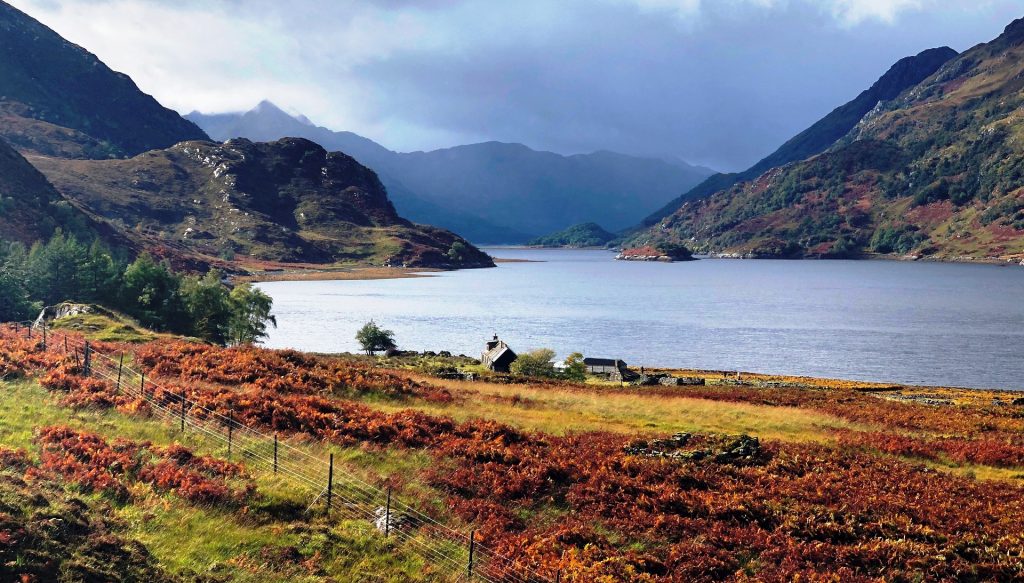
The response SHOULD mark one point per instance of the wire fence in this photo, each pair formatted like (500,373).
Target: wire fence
(332,489)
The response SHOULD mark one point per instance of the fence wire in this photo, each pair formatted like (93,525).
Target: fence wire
(340,493)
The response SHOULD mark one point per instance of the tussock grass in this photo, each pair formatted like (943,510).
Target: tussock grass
(558,411)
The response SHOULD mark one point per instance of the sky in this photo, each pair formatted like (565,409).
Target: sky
(714,82)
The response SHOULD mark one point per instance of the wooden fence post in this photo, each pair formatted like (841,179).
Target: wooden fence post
(183,410)
(472,548)
(387,515)
(330,483)
(231,429)
(120,366)
(44,336)
(275,452)
(87,360)
(65,344)
(142,383)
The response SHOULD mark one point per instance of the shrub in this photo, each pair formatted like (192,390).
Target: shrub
(537,363)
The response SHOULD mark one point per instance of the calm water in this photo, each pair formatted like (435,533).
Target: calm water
(914,323)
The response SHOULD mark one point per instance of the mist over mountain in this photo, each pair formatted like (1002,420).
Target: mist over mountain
(490,192)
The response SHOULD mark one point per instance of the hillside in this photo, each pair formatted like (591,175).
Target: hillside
(58,99)
(582,235)
(762,479)
(937,172)
(906,73)
(288,200)
(30,207)
(490,192)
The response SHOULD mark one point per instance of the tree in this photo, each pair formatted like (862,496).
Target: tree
(209,306)
(15,304)
(458,252)
(151,293)
(575,370)
(375,339)
(537,363)
(250,314)
(54,269)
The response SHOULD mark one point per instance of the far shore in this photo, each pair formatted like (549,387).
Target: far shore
(337,274)
(313,272)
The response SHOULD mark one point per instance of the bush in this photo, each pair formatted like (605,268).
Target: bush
(575,370)
(537,363)
(375,339)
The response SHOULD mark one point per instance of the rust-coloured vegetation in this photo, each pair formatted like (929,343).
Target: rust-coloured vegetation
(602,506)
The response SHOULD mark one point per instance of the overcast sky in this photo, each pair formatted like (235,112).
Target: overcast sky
(716,82)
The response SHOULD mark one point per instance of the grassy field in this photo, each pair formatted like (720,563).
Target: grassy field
(190,540)
(559,411)
(594,481)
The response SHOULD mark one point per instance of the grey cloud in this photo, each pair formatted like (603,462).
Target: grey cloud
(722,86)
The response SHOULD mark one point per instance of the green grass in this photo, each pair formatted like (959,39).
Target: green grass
(106,326)
(228,544)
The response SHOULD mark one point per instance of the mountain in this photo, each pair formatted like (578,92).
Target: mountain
(58,99)
(937,172)
(30,207)
(288,200)
(267,122)
(178,195)
(582,235)
(906,73)
(491,192)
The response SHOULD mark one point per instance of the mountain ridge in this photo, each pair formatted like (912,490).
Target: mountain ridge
(283,201)
(495,192)
(50,82)
(905,73)
(937,172)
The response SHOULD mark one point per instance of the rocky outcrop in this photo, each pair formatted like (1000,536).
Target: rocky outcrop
(288,200)
(739,450)
(652,253)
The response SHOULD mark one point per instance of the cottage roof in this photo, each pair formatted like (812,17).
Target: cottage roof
(602,362)
(500,353)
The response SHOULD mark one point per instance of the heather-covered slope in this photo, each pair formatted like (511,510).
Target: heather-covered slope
(937,172)
(285,201)
(59,99)
(906,73)
(30,208)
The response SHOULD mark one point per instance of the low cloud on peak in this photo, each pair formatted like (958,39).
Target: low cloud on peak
(717,82)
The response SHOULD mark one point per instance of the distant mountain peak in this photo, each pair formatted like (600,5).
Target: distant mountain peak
(470,188)
(267,107)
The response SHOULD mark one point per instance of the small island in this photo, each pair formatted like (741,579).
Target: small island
(575,237)
(665,252)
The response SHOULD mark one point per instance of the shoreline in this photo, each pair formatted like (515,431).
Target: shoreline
(746,379)
(337,274)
